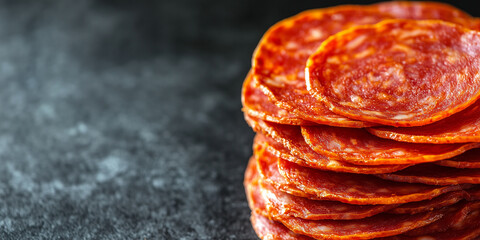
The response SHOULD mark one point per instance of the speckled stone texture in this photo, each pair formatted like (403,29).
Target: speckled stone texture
(121,119)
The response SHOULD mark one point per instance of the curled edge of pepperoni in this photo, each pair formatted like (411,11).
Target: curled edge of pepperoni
(264,228)
(380,225)
(287,142)
(461,127)
(435,175)
(455,215)
(443,200)
(467,228)
(305,208)
(468,159)
(355,188)
(256,103)
(358,146)
(267,229)
(268,170)
(403,115)
(343,229)
(459,164)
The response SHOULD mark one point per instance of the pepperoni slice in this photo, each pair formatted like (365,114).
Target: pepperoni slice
(435,175)
(469,159)
(256,103)
(356,188)
(443,200)
(267,229)
(290,145)
(380,225)
(304,208)
(466,229)
(279,60)
(424,11)
(474,193)
(360,147)
(267,166)
(461,127)
(455,215)
(398,72)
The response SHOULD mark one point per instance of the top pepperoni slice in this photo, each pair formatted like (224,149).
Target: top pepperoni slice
(398,72)
(279,60)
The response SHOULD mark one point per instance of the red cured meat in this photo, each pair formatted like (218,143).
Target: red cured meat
(461,127)
(469,159)
(467,228)
(266,164)
(356,188)
(443,200)
(435,175)
(474,193)
(279,60)
(360,147)
(267,229)
(398,72)
(290,145)
(454,217)
(255,103)
(380,225)
(325,163)
(290,205)
(425,10)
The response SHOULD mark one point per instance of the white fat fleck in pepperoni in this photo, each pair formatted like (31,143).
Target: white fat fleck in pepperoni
(354,43)
(355,99)
(414,33)
(291,45)
(315,34)
(402,116)
(323,228)
(334,60)
(365,53)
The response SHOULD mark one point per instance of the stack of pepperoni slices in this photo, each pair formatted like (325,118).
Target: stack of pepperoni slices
(368,124)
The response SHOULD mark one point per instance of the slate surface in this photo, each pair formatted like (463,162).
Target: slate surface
(121,119)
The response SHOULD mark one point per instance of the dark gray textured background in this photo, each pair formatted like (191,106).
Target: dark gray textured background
(121,119)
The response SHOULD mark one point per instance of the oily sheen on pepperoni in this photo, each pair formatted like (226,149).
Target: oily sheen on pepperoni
(357,146)
(468,159)
(256,103)
(435,175)
(397,72)
(279,60)
(461,127)
(305,208)
(356,188)
(287,142)
(380,225)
